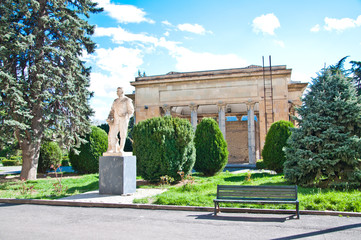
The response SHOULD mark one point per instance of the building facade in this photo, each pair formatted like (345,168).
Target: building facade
(244,101)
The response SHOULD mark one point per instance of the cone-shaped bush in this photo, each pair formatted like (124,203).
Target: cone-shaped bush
(272,153)
(211,148)
(50,154)
(163,146)
(87,161)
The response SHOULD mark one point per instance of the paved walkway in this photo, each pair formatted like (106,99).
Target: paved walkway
(95,197)
(10,170)
(55,222)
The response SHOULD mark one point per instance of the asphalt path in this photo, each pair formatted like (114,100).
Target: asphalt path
(55,222)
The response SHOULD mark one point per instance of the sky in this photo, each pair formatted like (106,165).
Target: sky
(160,36)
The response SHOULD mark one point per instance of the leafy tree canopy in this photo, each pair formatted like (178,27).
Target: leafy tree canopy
(43,82)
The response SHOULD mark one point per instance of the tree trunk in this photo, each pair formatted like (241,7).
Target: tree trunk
(30,146)
(31,151)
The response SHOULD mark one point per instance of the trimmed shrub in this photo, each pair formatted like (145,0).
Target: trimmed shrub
(50,154)
(163,146)
(65,160)
(272,153)
(13,161)
(87,161)
(260,164)
(211,148)
(7,162)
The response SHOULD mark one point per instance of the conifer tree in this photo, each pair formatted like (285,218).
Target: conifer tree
(325,148)
(43,82)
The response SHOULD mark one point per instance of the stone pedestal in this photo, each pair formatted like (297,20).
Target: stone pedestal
(117,175)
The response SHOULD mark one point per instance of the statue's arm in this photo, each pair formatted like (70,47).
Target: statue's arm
(130,107)
(111,114)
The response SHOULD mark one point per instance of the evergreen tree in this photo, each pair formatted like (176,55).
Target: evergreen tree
(43,83)
(356,72)
(325,148)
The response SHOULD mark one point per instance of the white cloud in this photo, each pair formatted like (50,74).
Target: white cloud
(196,61)
(341,24)
(279,43)
(118,60)
(193,28)
(266,24)
(117,67)
(165,22)
(315,28)
(166,34)
(124,13)
(302,76)
(119,35)
(188,60)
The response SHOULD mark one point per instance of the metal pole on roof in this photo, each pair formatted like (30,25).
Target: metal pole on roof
(264,94)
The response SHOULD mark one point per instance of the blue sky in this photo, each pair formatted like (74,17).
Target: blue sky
(160,36)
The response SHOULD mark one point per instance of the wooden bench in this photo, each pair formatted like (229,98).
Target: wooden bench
(256,195)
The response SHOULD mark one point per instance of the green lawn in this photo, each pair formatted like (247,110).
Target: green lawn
(48,188)
(200,192)
(203,191)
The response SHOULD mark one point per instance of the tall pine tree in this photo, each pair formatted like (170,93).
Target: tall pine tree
(325,149)
(43,82)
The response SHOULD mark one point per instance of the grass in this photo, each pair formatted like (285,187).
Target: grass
(203,191)
(199,192)
(48,188)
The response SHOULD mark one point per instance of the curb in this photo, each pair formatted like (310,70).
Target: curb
(172,207)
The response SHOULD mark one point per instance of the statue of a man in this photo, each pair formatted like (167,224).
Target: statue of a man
(118,119)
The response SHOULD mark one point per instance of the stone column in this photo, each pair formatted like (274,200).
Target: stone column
(222,117)
(251,133)
(166,109)
(193,107)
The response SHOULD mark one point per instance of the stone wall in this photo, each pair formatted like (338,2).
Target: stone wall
(237,140)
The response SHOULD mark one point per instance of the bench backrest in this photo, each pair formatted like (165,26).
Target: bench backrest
(287,193)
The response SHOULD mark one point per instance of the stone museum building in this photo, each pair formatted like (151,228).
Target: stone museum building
(244,102)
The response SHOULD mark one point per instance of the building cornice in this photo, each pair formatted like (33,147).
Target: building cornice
(252,71)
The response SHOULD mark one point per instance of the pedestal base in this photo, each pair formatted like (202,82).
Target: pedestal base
(117,175)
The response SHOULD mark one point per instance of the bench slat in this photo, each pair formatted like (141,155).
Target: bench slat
(258,186)
(256,201)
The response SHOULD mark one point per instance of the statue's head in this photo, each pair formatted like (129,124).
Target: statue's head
(120,91)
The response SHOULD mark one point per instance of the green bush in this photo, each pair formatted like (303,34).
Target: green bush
(163,146)
(11,149)
(87,161)
(7,162)
(276,138)
(50,155)
(13,161)
(260,164)
(211,148)
(18,160)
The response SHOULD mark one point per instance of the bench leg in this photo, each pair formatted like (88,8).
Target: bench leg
(297,210)
(216,208)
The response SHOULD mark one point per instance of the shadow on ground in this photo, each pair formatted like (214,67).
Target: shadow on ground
(241,218)
(320,232)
